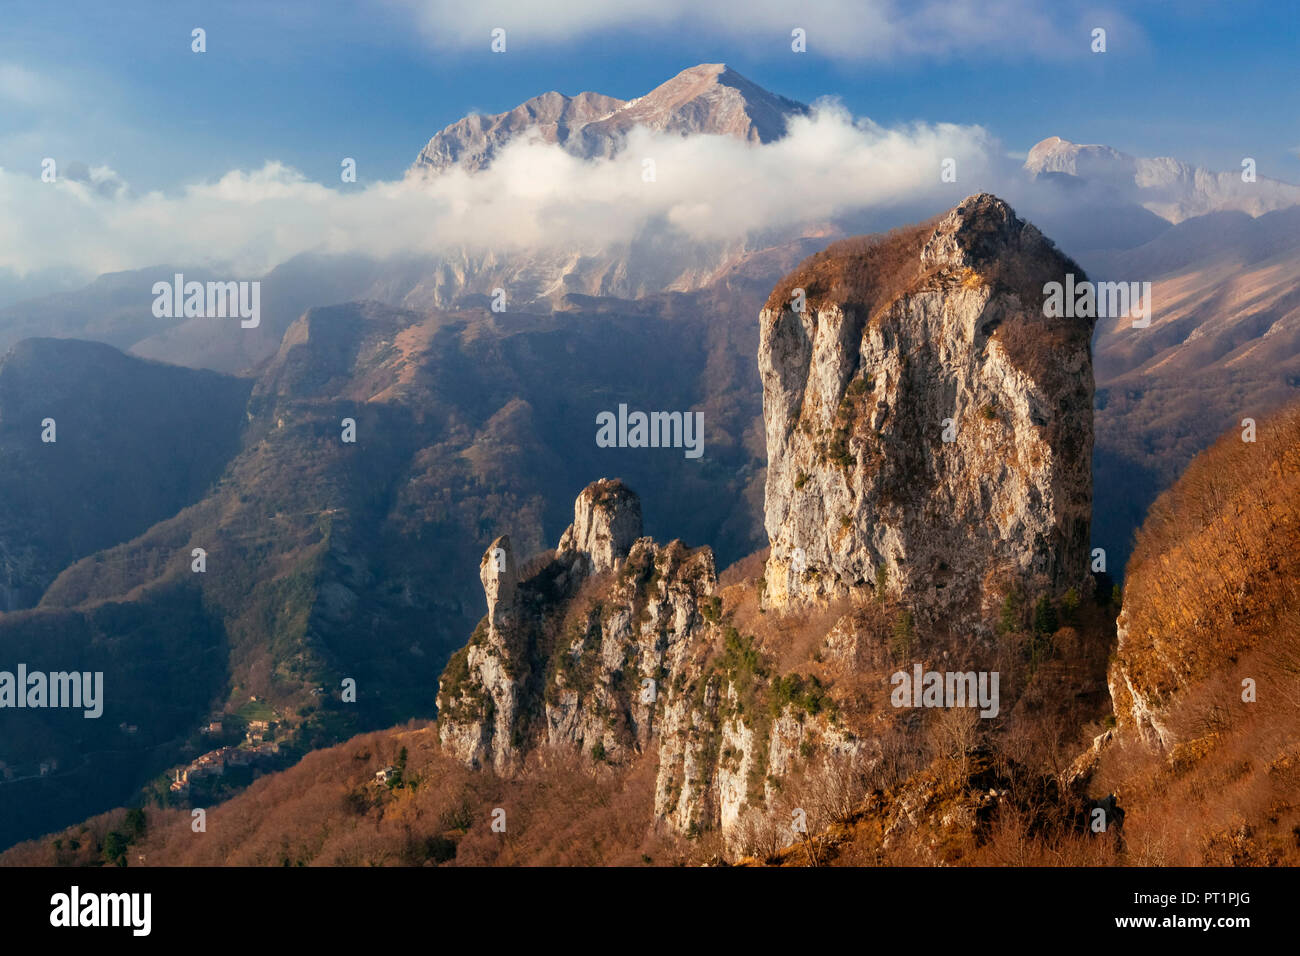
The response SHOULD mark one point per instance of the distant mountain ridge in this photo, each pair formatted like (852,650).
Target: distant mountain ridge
(710,98)
(1169,187)
(1097,201)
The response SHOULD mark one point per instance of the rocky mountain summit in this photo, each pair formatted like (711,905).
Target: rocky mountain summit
(928,430)
(710,98)
(472,142)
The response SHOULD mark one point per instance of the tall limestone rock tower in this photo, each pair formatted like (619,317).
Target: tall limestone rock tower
(928,430)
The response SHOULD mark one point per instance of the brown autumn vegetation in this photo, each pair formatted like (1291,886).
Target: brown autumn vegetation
(1213,597)
(330,810)
(867,272)
(945,786)
(1216,569)
(1213,601)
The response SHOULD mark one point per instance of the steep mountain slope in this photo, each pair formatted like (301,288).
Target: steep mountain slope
(1223,345)
(133,443)
(459,419)
(330,810)
(1225,298)
(1215,581)
(1204,676)
(162,657)
(710,98)
(472,142)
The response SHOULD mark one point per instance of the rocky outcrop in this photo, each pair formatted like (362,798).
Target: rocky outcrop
(499,575)
(610,650)
(929,431)
(1137,706)
(606,523)
(573,655)
(473,142)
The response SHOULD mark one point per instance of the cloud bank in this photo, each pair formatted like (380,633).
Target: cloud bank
(534,197)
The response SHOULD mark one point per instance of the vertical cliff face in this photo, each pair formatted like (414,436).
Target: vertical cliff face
(928,429)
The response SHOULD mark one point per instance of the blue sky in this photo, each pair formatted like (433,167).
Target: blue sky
(308,83)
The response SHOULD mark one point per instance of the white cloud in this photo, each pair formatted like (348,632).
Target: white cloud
(535,196)
(847,29)
(21,86)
